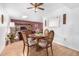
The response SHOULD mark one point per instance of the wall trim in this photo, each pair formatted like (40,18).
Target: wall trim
(67,46)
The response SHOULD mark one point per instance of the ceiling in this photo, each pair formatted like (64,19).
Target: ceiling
(18,10)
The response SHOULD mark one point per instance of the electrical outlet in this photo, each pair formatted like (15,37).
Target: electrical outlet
(64,39)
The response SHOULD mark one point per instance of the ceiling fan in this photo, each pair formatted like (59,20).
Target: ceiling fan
(36,6)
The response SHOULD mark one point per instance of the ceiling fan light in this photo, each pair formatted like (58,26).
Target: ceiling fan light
(36,10)
(36,6)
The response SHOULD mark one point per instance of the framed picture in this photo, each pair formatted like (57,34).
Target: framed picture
(2,19)
(45,23)
(64,18)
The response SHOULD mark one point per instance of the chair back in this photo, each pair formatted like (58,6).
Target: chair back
(25,37)
(46,31)
(50,36)
(20,36)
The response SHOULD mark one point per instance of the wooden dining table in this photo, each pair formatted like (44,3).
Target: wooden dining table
(37,38)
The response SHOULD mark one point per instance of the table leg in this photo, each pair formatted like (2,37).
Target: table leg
(37,45)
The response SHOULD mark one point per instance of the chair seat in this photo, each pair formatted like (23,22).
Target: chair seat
(43,43)
(31,42)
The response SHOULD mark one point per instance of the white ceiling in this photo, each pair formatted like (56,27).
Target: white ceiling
(17,10)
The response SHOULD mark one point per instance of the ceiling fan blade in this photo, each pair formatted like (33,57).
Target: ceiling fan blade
(39,4)
(41,8)
(33,4)
(36,4)
(30,8)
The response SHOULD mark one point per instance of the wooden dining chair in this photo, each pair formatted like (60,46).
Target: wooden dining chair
(48,42)
(46,31)
(26,42)
(20,36)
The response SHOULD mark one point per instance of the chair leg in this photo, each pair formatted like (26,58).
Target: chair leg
(47,51)
(51,50)
(27,50)
(24,50)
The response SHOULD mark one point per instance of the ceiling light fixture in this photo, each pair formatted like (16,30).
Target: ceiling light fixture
(24,16)
(36,6)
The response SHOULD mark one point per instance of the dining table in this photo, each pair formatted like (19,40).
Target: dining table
(37,37)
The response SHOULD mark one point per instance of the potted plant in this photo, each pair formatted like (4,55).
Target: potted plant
(11,36)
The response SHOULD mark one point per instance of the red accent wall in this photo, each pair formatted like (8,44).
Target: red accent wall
(23,22)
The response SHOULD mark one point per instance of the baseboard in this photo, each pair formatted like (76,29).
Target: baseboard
(66,46)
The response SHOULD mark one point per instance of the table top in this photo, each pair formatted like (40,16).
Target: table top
(37,36)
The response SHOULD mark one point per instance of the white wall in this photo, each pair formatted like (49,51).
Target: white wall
(2,37)
(67,34)
(3,28)
(35,16)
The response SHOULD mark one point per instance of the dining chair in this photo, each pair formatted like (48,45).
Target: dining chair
(46,31)
(20,36)
(48,42)
(26,42)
